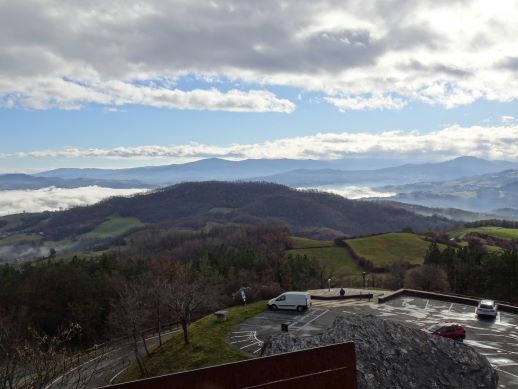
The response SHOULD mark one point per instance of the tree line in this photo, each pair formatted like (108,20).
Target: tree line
(492,223)
(469,270)
(159,276)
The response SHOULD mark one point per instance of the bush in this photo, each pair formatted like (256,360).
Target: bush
(429,278)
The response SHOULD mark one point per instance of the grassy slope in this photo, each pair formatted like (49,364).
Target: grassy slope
(302,243)
(498,232)
(208,345)
(334,258)
(384,249)
(337,259)
(19,238)
(113,226)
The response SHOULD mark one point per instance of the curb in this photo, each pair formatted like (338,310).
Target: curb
(443,297)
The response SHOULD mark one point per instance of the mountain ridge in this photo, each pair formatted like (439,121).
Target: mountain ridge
(292,172)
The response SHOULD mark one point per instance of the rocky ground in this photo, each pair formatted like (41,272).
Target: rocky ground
(390,355)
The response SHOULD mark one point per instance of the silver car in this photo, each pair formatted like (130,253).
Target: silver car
(487,308)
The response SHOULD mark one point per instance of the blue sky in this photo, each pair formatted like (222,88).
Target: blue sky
(94,126)
(121,83)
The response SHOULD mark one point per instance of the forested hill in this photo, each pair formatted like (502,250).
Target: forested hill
(193,205)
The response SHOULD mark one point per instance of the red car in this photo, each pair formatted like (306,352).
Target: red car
(447,330)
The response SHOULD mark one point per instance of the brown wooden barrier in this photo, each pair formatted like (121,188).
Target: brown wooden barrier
(346,297)
(329,367)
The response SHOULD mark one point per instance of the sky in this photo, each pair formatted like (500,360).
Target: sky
(119,83)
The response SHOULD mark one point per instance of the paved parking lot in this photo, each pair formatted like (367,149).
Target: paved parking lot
(496,339)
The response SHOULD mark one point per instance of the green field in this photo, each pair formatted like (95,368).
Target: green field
(301,243)
(385,249)
(114,226)
(497,232)
(208,345)
(336,259)
(19,238)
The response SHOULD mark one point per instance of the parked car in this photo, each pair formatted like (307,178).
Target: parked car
(487,308)
(291,300)
(447,330)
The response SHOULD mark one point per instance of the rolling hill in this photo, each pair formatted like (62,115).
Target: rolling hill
(196,205)
(383,250)
(486,192)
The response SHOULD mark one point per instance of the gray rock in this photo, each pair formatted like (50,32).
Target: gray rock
(390,355)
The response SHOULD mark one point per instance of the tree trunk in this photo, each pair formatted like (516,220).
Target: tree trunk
(145,344)
(159,324)
(141,366)
(185,335)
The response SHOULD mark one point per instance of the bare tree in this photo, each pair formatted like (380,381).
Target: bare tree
(186,294)
(157,295)
(29,359)
(396,277)
(430,278)
(11,355)
(130,316)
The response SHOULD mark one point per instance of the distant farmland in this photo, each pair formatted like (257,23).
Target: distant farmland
(383,250)
(336,259)
(497,232)
(114,226)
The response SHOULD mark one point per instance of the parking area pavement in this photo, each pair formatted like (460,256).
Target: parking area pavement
(497,338)
(249,335)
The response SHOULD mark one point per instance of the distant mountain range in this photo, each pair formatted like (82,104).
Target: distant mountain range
(295,173)
(408,173)
(466,183)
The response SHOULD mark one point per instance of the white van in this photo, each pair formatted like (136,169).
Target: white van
(291,300)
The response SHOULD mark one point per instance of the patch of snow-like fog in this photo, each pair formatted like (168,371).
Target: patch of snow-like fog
(55,199)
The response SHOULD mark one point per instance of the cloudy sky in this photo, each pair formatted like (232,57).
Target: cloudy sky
(125,83)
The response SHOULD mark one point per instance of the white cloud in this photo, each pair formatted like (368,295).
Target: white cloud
(506,119)
(362,103)
(67,54)
(54,199)
(499,142)
(69,95)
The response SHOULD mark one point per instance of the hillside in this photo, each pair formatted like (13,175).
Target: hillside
(197,205)
(193,205)
(452,213)
(497,232)
(480,193)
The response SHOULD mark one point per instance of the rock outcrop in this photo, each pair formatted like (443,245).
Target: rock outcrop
(390,355)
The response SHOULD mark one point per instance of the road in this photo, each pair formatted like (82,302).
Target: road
(497,339)
(105,368)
